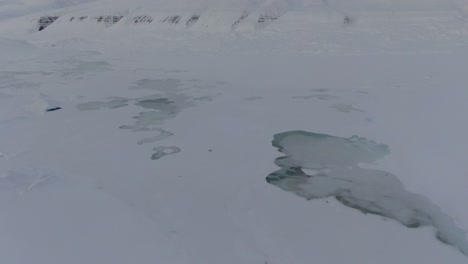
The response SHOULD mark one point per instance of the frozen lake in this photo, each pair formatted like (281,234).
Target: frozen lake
(167,144)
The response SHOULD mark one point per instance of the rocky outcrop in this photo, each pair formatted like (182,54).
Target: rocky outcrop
(109,20)
(45,21)
(192,20)
(188,21)
(172,19)
(266,19)
(241,18)
(142,19)
(81,18)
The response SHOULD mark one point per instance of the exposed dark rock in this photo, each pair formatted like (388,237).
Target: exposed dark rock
(45,21)
(347,20)
(266,18)
(143,19)
(244,16)
(172,19)
(53,109)
(192,20)
(78,18)
(100,19)
(108,19)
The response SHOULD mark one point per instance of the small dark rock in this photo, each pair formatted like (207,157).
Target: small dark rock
(53,109)
(347,20)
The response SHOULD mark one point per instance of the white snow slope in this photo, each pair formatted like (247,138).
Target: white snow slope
(151,142)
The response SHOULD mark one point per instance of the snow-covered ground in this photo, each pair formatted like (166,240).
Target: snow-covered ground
(152,142)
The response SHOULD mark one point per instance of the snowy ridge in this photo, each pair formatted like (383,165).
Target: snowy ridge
(201,16)
(236,15)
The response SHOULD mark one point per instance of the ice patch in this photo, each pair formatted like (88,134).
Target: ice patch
(157,84)
(164,151)
(163,134)
(166,104)
(111,104)
(345,108)
(319,166)
(317,96)
(86,67)
(162,108)
(204,98)
(161,104)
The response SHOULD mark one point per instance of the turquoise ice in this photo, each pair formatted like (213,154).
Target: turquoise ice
(320,166)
